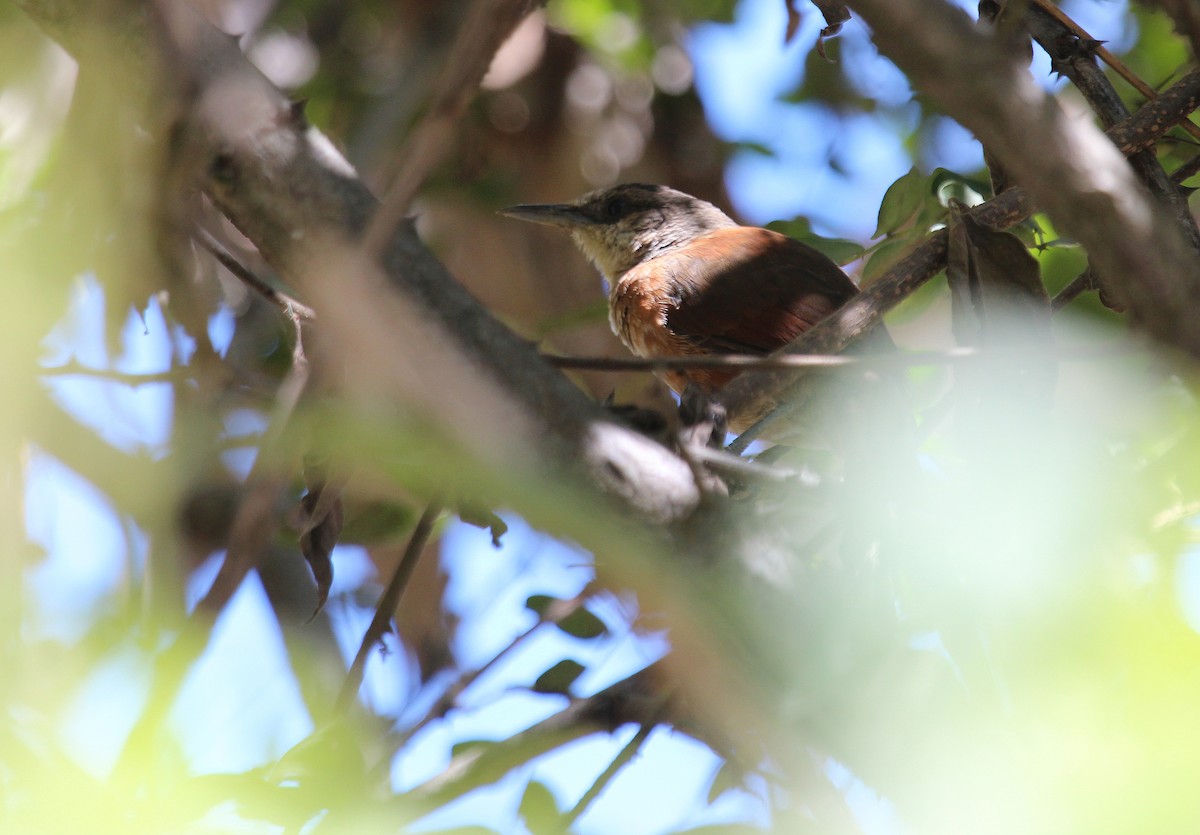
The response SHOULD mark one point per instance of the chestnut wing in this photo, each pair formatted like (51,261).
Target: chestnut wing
(748,290)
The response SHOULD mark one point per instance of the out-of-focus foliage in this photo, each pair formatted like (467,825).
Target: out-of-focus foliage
(997,635)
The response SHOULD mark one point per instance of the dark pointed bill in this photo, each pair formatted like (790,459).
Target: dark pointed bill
(550,214)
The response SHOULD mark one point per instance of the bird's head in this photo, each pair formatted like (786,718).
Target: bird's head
(620,227)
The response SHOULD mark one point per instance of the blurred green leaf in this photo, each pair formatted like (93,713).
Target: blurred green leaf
(539,810)
(467,746)
(841,251)
(559,678)
(884,257)
(582,624)
(949,185)
(578,622)
(728,777)
(476,515)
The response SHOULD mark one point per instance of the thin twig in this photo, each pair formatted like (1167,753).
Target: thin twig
(386,609)
(487,25)
(75,369)
(292,308)
(1187,170)
(1141,130)
(449,697)
(727,462)
(1113,61)
(1058,36)
(1080,284)
(636,699)
(754,362)
(620,761)
(254,524)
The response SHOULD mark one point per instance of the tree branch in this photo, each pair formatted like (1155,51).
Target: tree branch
(389,600)
(1151,121)
(403,327)
(486,27)
(1066,165)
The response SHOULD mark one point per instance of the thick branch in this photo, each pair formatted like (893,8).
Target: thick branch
(408,332)
(1075,59)
(835,332)
(1064,162)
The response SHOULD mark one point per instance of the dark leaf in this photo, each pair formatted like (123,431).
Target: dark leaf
(998,303)
(947,185)
(756,148)
(319,538)
(729,776)
(469,745)
(559,678)
(582,624)
(835,15)
(571,616)
(482,517)
(374,522)
(539,604)
(995,285)
(793,21)
(325,762)
(540,810)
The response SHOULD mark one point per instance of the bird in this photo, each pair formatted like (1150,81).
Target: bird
(685,280)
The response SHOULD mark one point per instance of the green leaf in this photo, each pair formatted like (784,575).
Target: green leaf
(947,185)
(582,624)
(539,604)
(539,809)
(729,776)
(468,745)
(559,678)
(901,201)
(883,258)
(479,516)
(839,250)
(578,622)
(756,148)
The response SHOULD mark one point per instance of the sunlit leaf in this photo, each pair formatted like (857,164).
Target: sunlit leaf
(539,809)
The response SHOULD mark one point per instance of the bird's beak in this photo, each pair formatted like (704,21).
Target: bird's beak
(562,215)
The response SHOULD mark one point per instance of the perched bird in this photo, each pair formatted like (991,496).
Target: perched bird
(685,280)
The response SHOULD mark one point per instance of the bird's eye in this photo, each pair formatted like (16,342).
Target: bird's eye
(616,208)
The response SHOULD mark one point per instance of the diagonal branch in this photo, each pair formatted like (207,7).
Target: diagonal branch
(1151,121)
(488,24)
(407,332)
(1076,176)
(1073,58)
(389,600)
